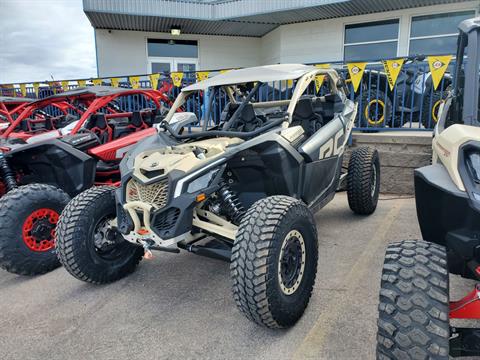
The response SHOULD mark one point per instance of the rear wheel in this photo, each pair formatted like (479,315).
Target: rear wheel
(28,216)
(274,261)
(414,302)
(88,246)
(363,180)
(375,109)
(430,108)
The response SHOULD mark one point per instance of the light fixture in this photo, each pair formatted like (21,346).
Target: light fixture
(175,30)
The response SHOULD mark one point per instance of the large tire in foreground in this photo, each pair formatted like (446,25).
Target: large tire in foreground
(88,247)
(363,180)
(414,302)
(28,216)
(274,261)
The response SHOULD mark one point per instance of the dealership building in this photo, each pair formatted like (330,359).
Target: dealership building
(141,37)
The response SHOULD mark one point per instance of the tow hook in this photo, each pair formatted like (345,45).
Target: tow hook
(148,255)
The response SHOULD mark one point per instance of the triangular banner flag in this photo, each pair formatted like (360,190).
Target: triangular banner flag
(65,85)
(355,70)
(23,89)
(134,82)
(154,81)
(53,86)
(438,65)
(82,83)
(392,68)
(115,82)
(36,87)
(202,75)
(177,78)
(320,78)
(97,82)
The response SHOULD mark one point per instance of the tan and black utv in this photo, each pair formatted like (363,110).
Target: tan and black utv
(243,191)
(416,317)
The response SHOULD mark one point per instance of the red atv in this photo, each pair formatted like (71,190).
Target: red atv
(10,108)
(38,179)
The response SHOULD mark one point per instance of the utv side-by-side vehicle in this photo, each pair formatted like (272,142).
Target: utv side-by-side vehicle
(10,108)
(415,314)
(39,178)
(244,191)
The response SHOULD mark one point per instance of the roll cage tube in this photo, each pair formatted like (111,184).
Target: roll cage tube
(470,101)
(237,112)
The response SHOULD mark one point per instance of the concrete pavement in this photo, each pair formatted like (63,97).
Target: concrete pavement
(180,306)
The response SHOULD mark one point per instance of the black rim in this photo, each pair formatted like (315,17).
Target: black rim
(291,262)
(108,243)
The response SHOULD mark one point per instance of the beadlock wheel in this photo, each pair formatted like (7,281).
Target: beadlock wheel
(38,230)
(291,263)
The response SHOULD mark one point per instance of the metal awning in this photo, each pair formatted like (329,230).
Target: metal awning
(230,17)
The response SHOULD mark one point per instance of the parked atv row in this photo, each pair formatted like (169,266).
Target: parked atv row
(413,98)
(43,165)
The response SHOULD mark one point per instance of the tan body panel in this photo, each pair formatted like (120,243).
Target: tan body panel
(446,146)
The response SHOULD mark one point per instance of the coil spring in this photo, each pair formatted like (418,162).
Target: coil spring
(7,174)
(231,204)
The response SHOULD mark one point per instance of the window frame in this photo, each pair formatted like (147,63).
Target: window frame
(344,44)
(425,37)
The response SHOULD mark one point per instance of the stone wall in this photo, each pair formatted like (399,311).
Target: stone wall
(400,153)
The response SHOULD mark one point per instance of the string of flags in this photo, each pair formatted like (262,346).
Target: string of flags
(438,65)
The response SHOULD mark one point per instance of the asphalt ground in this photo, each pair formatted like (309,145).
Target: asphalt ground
(179,306)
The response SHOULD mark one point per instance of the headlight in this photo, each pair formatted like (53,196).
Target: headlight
(202,182)
(472,160)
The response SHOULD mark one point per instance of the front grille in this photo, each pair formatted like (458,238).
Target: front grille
(166,220)
(155,194)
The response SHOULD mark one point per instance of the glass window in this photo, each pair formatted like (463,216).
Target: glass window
(374,31)
(172,48)
(436,34)
(371,41)
(160,67)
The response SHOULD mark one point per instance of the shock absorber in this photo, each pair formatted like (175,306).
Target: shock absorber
(231,204)
(7,174)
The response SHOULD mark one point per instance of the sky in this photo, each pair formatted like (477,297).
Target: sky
(44,38)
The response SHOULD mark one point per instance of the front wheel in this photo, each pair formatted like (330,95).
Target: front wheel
(375,109)
(88,245)
(28,216)
(413,318)
(274,261)
(363,180)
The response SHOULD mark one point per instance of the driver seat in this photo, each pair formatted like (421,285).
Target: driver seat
(306,117)
(99,126)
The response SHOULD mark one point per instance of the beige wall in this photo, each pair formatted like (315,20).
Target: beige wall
(124,52)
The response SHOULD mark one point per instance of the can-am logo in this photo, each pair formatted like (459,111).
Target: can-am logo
(437,64)
(355,70)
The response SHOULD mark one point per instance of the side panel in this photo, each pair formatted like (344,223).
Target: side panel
(54,163)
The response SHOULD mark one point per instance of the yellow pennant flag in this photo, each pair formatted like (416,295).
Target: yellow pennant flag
(36,87)
(52,86)
(134,82)
(177,78)
(97,82)
(320,78)
(355,70)
(202,75)
(23,89)
(154,81)
(115,82)
(82,83)
(392,68)
(65,85)
(438,65)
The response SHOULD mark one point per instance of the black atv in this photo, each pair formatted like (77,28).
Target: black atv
(244,191)
(413,99)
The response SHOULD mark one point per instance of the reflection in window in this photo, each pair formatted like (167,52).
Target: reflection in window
(436,34)
(172,48)
(371,41)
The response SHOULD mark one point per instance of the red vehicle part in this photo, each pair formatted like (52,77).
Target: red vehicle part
(468,307)
(12,107)
(39,230)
